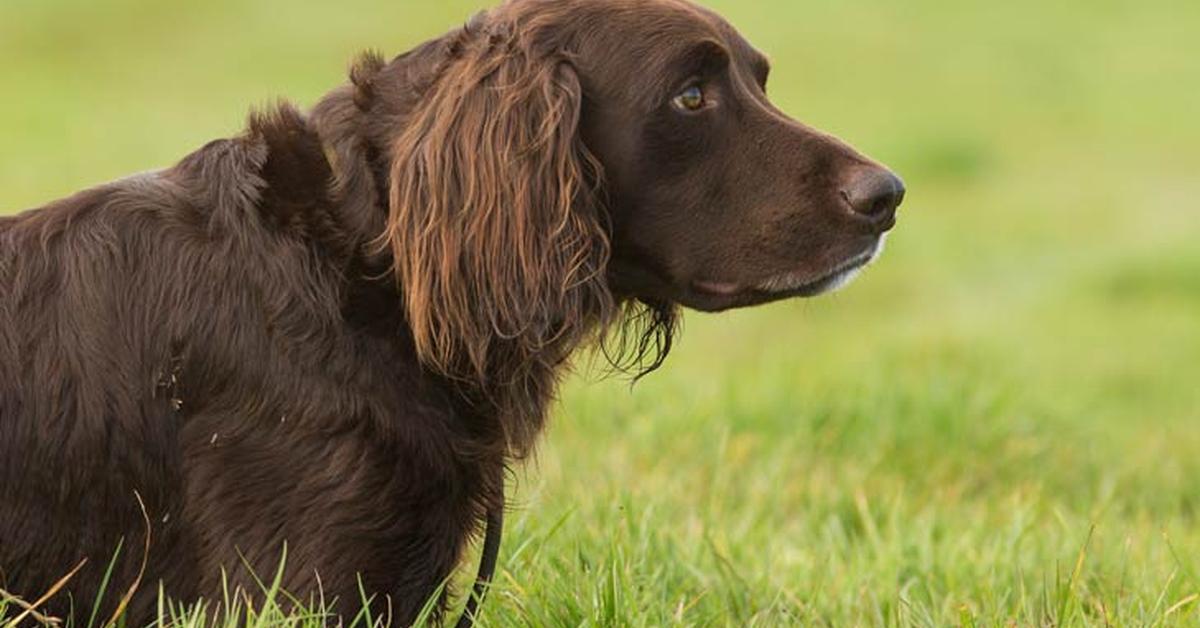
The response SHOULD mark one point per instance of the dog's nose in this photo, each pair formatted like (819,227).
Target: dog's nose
(875,194)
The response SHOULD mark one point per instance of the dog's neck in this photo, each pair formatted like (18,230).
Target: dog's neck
(358,124)
(355,126)
(359,187)
(358,121)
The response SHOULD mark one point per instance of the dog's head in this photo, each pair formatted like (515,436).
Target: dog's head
(566,158)
(717,198)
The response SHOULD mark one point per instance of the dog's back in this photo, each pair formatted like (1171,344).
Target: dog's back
(106,296)
(72,399)
(206,357)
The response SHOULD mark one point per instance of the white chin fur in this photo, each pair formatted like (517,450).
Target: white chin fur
(879,247)
(843,280)
(785,283)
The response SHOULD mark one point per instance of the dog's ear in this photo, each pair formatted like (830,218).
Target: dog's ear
(498,240)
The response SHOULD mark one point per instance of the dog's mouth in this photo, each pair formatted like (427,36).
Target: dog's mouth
(790,284)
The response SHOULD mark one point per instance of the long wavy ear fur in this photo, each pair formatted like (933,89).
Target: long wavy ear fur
(498,240)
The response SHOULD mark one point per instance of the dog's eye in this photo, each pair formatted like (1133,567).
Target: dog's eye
(691,99)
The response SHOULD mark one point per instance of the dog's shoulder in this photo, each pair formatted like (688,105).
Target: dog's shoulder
(275,174)
(296,173)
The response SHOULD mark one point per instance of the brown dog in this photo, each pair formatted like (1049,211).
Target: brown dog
(336,330)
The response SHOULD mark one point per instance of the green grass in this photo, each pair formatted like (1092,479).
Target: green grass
(996,426)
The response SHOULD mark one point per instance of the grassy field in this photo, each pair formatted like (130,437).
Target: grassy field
(998,425)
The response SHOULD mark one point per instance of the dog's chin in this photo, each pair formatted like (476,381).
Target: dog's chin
(715,297)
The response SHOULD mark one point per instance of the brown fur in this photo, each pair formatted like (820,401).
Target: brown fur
(495,230)
(337,330)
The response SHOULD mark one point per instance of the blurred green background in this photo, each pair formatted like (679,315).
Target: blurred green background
(999,424)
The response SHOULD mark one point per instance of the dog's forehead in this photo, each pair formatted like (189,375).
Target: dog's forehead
(738,45)
(627,51)
(663,23)
(657,30)
(643,43)
(645,30)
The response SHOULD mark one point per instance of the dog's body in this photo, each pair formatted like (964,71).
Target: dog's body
(196,336)
(335,331)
